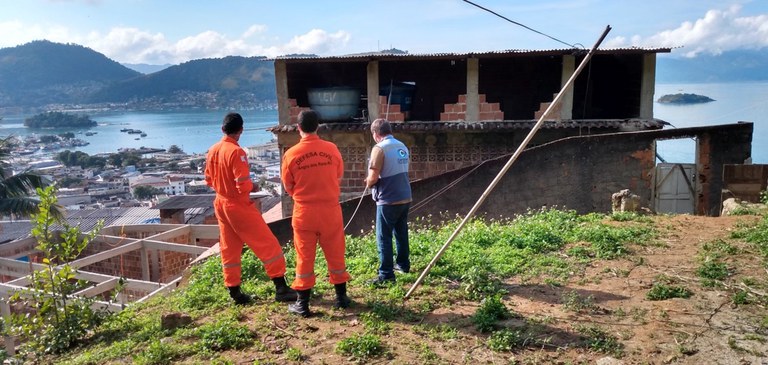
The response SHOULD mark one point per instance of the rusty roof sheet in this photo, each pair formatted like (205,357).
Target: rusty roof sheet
(479,54)
(632,124)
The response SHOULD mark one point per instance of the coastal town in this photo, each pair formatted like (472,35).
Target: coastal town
(128,177)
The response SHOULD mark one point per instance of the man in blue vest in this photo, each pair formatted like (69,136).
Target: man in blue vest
(391,189)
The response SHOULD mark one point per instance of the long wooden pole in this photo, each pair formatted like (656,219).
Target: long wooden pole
(509,163)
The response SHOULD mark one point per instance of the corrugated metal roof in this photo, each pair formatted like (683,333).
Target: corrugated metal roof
(187,201)
(638,124)
(479,54)
(86,219)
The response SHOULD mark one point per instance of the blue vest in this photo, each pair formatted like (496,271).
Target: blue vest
(393,185)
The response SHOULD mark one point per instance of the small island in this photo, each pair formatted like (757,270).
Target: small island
(684,99)
(58,119)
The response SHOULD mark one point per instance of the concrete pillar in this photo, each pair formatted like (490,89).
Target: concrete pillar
(566,102)
(373,90)
(473,89)
(648,86)
(281,89)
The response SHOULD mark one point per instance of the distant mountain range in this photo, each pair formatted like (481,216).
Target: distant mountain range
(42,73)
(733,66)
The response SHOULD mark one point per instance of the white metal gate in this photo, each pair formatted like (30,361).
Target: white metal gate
(674,188)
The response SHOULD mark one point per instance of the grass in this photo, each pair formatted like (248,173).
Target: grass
(551,247)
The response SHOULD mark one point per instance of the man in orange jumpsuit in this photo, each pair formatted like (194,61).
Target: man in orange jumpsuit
(311,172)
(227,172)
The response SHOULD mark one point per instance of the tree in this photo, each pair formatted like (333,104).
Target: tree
(60,319)
(144,192)
(174,149)
(16,190)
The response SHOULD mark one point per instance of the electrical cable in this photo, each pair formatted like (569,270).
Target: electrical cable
(519,24)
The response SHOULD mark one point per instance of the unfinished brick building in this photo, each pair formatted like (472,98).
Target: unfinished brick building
(463,109)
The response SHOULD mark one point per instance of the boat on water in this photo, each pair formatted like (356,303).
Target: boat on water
(126,129)
(89,133)
(143,134)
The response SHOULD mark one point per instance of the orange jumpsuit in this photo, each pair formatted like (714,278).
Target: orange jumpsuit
(226,171)
(311,171)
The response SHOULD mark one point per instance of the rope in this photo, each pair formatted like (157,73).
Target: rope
(444,189)
(358,207)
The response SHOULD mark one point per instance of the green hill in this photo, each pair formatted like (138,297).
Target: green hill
(222,81)
(43,72)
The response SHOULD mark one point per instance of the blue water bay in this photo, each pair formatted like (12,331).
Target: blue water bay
(195,130)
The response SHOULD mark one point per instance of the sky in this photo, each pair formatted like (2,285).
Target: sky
(175,31)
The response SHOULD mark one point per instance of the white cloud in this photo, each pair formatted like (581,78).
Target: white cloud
(716,32)
(317,41)
(254,30)
(132,45)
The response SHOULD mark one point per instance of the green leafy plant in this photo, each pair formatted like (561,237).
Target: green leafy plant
(597,339)
(479,282)
(574,302)
(764,196)
(661,291)
(58,319)
(507,340)
(224,335)
(712,271)
(491,310)
(156,353)
(294,354)
(361,346)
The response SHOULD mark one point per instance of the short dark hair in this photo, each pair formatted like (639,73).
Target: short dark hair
(232,123)
(308,121)
(381,127)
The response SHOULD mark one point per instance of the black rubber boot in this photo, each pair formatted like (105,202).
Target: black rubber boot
(283,292)
(301,307)
(342,300)
(239,297)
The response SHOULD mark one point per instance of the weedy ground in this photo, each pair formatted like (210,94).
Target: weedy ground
(549,286)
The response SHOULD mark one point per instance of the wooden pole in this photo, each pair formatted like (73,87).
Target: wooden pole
(509,163)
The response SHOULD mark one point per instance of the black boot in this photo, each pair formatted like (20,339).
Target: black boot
(283,292)
(342,300)
(301,307)
(238,296)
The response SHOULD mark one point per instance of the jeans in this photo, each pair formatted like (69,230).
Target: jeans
(392,219)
